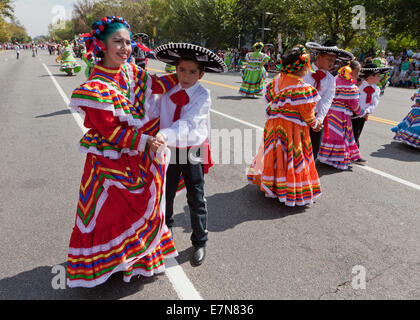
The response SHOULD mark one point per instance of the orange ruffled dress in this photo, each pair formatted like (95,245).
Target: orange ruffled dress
(284,167)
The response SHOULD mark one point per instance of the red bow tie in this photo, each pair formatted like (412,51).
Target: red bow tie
(369,91)
(318,76)
(180,98)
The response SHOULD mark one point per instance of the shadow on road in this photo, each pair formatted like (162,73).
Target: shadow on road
(65,75)
(57,113)
(36,284)
(238,97)
(226,210)
(326,170)
(398,151)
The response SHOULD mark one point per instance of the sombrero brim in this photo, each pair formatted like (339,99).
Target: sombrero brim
(171,53)
(340,53)
(140,35)
(381,70)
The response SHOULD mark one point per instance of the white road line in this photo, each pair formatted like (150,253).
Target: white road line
(76,116)
(367,168)
(179,280)
(387,175)
(237,120)
(181,283)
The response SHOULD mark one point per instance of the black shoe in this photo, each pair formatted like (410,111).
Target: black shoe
(198,255)
(361,161)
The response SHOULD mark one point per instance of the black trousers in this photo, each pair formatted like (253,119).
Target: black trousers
(193,173)
(357,124)
(316,139)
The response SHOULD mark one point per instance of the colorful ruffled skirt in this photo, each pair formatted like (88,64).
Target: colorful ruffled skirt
(284,167)
(120,223)
(338,146)
(253,81)
(408,131)
(70,66)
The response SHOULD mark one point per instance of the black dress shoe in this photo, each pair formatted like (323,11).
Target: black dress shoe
(361,161)
(198,255)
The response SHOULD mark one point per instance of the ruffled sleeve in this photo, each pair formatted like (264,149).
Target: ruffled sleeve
(351,96)
(355,107)
(265,59)
(307,113)
(270,89)
(294,95)
(110,138)
(116,134)
(117,117)
(294,102)
(347,92)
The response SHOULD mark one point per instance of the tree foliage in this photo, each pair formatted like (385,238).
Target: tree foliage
(223,23)
(11,31)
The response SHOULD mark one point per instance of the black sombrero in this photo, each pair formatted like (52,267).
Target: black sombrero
(371,68)
(172,52)
(340,53)
(140,35)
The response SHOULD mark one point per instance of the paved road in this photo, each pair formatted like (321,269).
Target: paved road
(258,248)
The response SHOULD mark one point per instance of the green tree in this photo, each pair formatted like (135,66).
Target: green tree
(6,9)
(65,32)
(403,19)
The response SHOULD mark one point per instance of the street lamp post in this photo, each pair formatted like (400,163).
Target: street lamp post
(263,25)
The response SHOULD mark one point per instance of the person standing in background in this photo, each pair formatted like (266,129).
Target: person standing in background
(17,48)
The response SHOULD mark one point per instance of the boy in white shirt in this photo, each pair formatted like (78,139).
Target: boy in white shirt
(185,128)
(370,76)
(324,82)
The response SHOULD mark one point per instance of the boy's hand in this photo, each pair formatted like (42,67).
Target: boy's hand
(156,145)
(159,137)
(318,127)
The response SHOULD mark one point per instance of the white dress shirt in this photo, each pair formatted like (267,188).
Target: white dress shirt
(327,93)
(369,107)
(193,127)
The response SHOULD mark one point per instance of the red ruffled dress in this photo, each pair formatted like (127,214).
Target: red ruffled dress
(120,224)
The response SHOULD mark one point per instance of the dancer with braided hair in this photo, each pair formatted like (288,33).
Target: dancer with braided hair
(120,222)
(284,167)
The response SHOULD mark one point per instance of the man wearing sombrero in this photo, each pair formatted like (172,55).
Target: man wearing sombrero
(322,80)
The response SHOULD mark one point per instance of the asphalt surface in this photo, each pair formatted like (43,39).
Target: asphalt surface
(258,247)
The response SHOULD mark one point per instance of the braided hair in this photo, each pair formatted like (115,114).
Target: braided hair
(345,72)
(295,59)
(101,29)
